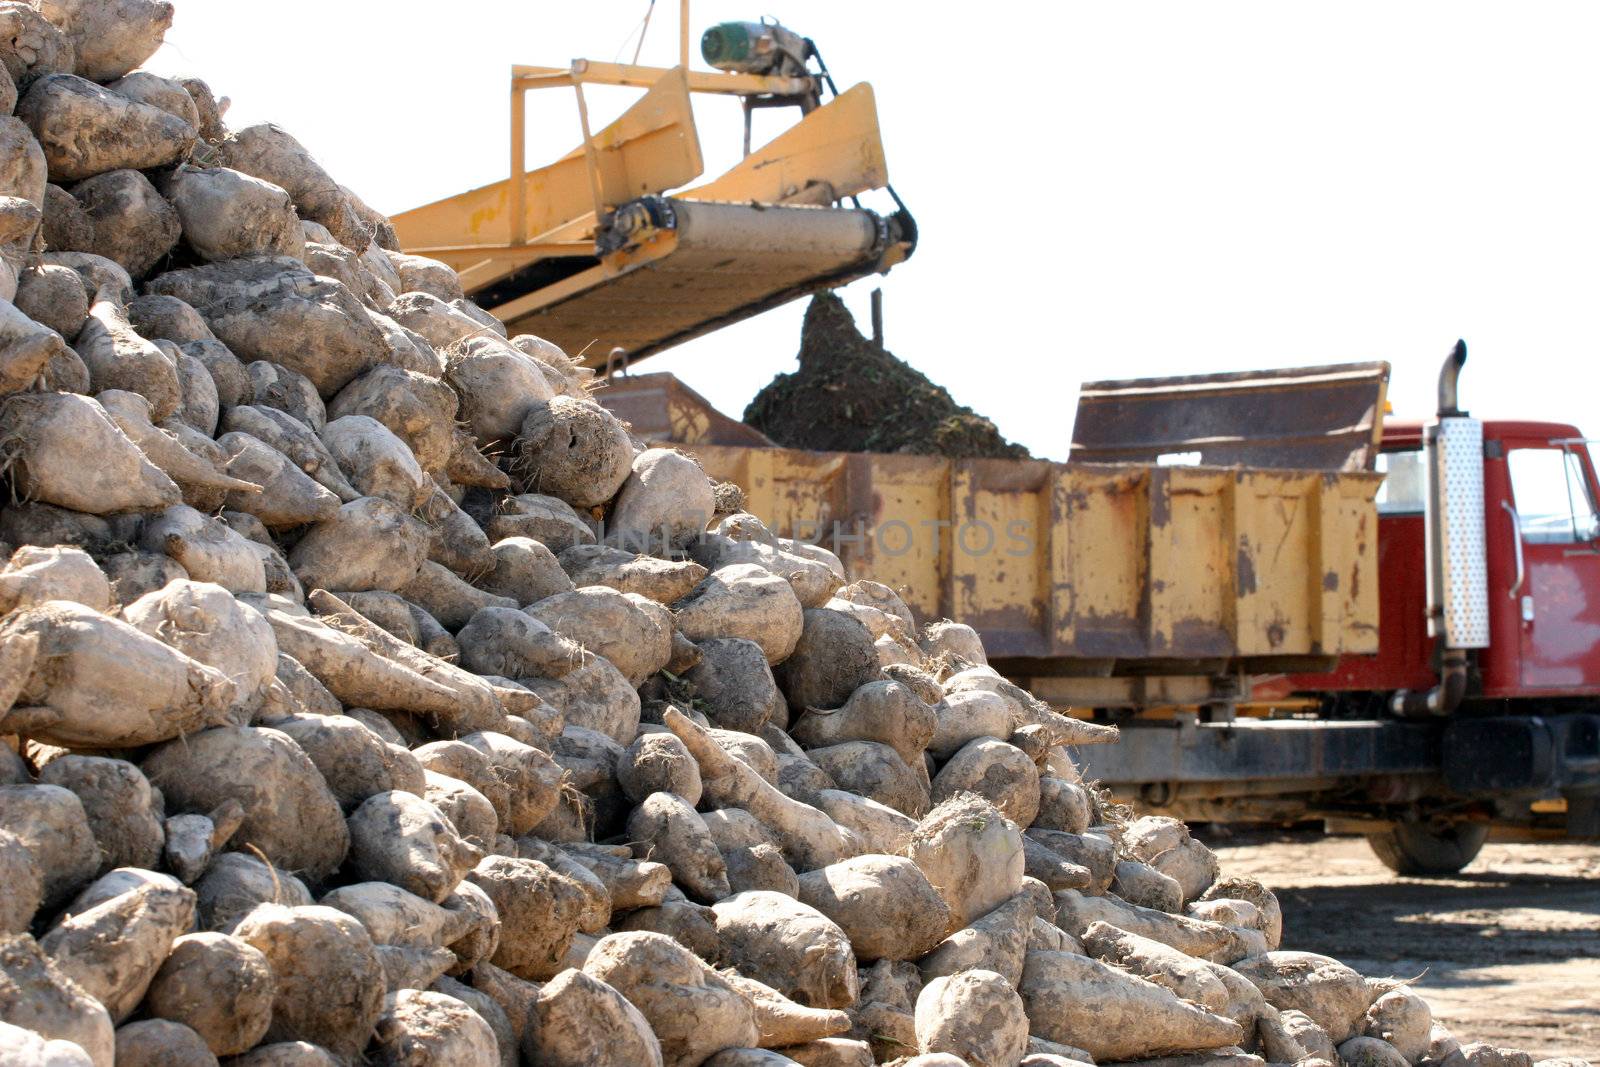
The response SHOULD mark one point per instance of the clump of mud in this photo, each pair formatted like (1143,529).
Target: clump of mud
(851,395)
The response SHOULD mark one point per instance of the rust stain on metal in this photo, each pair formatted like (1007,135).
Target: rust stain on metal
(1307,418)
(1092,586)
(1160,499)
(1277,630)
(1245,569)
(1199,638)
(1010,617)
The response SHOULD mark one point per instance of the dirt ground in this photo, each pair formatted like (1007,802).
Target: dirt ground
(1508,951)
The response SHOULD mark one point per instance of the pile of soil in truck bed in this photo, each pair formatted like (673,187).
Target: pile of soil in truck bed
(851,395)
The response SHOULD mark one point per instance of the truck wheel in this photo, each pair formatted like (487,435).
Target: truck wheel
(1421,851)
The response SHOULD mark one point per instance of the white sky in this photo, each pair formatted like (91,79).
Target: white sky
(1103,190)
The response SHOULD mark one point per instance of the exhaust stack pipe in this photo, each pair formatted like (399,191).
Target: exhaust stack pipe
(1442,699)
(1449,375)
(1458,581)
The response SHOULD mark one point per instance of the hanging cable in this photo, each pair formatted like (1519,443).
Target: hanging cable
(644,29)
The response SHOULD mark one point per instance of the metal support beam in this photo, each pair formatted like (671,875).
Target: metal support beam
(519,163)
(1183,751)
(683,34)
(591,153)
(643,77)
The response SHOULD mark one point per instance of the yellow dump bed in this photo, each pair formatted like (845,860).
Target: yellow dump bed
(1099,584)
(1102,570)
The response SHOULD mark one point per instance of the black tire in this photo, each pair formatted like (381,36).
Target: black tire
(1421,851)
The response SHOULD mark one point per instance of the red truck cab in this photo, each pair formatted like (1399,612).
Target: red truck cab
(1542,550)
(1517,741)
(1481,709)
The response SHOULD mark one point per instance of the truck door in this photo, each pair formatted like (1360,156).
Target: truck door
(1558,598)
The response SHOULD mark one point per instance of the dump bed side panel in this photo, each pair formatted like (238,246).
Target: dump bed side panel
(1100,569)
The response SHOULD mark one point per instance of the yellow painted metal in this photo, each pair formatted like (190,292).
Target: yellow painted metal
(650,148)
(1100,570)
(634,76)
(488,234)
(837,147)
(478,267)
(591,155)
(519,165)
(529,248)
(683,33)
(514,311)
(670,284)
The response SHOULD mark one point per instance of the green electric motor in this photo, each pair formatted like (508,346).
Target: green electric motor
(754,48)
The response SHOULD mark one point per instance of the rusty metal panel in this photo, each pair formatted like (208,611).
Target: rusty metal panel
(1089,569)
(996,544)
(1350,562)
(1302,418)
(1306,563)
(887,529)
(791,487)
(1193,612)
(1100,561)
(1278,571)
(659,407)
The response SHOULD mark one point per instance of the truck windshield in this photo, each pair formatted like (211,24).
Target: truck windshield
(1405,488)
(1552,496)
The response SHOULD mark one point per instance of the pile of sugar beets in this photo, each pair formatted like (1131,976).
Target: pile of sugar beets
(369,695)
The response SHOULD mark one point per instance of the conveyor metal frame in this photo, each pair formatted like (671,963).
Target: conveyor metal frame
(539,250)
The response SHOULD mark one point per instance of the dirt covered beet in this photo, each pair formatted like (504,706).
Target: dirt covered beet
(851,395)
